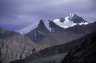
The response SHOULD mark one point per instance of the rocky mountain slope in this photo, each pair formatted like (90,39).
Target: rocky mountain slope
(14,46)
(63,35)
(39,33)
(51,54)
(83,52)
(43,31)
(49,33)
(78,51)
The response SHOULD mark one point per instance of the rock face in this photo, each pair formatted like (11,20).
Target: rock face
(39,33)
(75,18)
(84,52)
(14,46)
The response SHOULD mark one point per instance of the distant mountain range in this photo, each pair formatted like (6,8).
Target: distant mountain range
(59,31)
(66,22)
(45,41)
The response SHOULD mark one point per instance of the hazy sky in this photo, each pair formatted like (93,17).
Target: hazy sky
(16,14)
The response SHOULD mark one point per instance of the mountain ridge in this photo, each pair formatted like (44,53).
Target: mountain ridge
(72,19)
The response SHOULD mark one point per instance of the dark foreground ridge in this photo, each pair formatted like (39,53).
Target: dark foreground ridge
(85,52)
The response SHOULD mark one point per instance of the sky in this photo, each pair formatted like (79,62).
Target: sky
(17,14)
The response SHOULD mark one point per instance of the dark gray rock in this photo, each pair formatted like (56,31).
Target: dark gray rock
(85,52)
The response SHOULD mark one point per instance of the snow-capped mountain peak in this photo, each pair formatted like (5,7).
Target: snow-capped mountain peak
(70,21)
